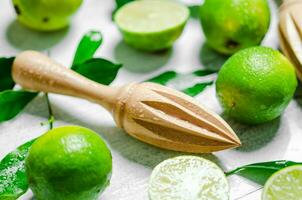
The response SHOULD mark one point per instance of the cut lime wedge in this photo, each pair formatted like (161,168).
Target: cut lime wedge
(285,184)
(151,24)
(188,178)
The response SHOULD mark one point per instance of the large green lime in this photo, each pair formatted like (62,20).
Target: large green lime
(68,163)
(256,84)
(188,178)
(285,184)
(151,25)
(231,25)
(45,15)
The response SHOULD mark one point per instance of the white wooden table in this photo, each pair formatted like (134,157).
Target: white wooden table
(133,160)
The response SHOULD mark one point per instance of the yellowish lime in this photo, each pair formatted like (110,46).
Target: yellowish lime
(285,184)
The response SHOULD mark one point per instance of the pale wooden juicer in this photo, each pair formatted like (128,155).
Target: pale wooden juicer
(149,112)
(290,32)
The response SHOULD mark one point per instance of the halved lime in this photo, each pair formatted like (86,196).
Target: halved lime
(188,178)
(285,184)
(151,24)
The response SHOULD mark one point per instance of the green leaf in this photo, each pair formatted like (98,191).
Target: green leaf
(192,83)
(13,180)
(87,47)
(163,78)
(197,89)
(260,172)
(6,80)
(120,3)
(13,102)
(203,72)
(99,70)
(194,11)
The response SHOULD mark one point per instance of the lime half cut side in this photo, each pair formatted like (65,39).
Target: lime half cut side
(285,184)
(151,24)
(188,178)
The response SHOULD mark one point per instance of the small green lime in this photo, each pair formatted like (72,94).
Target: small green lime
(255,85)
(231,25)
(46,15)
(68,163)
(151,25)
(188,178)
(285,184)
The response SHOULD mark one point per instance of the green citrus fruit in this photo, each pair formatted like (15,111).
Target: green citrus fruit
(68,163)
(231,25)
(151,25)
(256,84)
(188,178)
(285,184)
(46,15)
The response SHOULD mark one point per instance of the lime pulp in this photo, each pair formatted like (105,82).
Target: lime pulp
(151,24)
(285,184)
(188,178)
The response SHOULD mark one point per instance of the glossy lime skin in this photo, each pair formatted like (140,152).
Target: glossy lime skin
(68,163)
(255,85)
(231,25)
(46,15)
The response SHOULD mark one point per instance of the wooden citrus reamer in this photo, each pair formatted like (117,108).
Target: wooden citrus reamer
(149,112)
(290,32)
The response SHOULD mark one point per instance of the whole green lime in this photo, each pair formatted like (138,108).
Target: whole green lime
(151,25)
(46,15)
(255,85)
(68,163)
(231,25)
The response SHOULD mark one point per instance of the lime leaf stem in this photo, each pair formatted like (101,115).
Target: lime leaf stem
(51,118)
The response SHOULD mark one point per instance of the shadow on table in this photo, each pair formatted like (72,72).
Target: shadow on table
(38,106)
(139,61)
(23,38)
(118,140)
(210,59)
(254,137)
(278,2)
(298,95)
